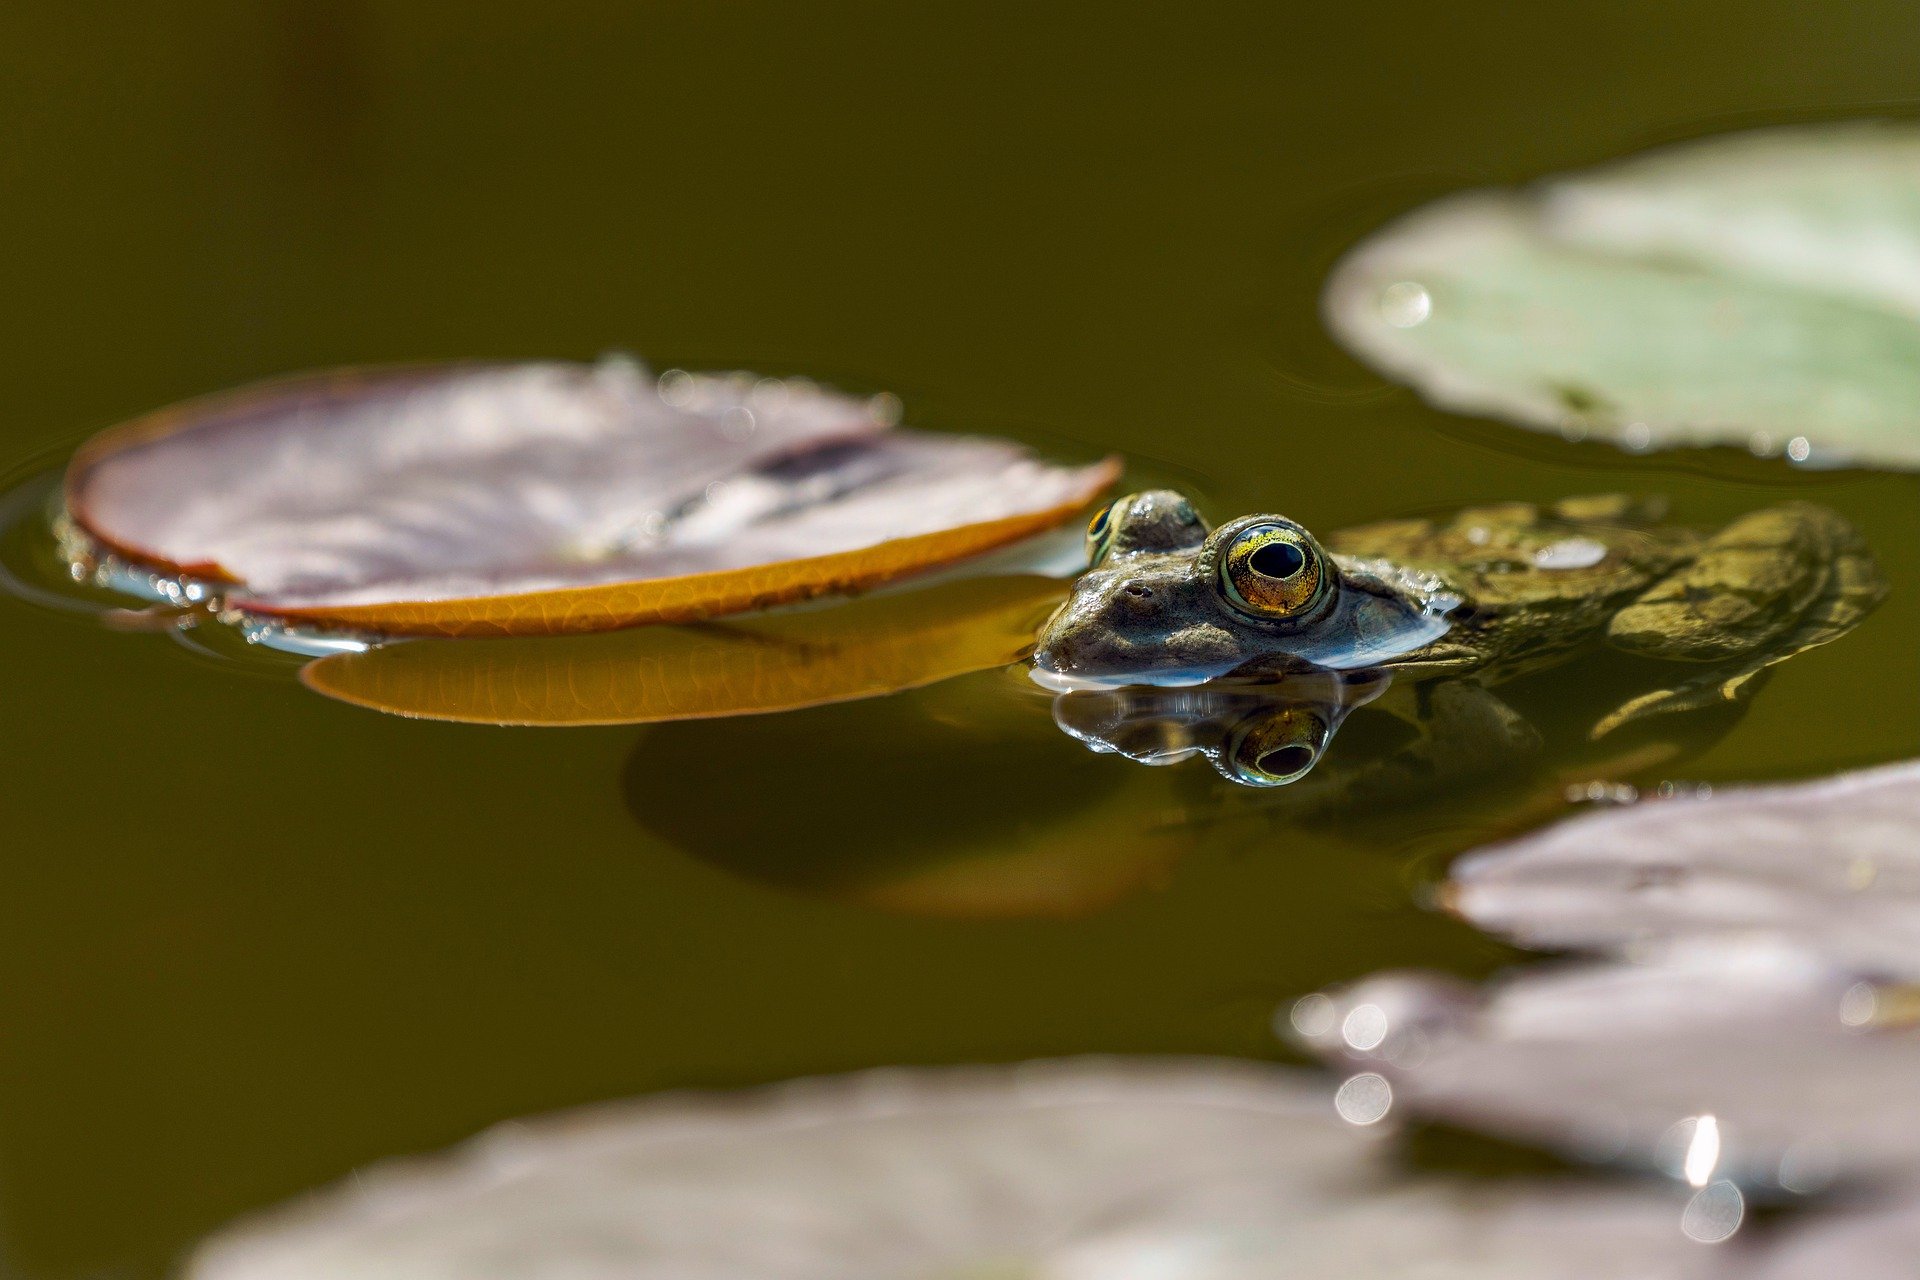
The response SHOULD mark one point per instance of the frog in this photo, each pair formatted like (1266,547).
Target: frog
(1451,607)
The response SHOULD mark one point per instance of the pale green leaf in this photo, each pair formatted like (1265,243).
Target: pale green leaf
(1759,291)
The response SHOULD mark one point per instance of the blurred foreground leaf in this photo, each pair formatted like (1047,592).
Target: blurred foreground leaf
(1089,1170)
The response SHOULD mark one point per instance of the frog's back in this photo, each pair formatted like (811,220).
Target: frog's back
(1534,584)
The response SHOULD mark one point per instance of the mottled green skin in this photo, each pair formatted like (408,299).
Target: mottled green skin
(1522,589)
(1514,615)
(1769,585)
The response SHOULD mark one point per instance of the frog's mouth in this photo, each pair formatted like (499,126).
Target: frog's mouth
(1056,681)
(1371,634)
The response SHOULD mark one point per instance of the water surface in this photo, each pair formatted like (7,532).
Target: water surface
(251,939)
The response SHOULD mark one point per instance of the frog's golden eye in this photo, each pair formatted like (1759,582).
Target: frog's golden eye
(1271,750)
(1100,529)
(1273,571)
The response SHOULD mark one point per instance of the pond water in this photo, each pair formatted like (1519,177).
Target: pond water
(252,938)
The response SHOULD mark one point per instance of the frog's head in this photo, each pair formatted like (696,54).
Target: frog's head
(1165,601)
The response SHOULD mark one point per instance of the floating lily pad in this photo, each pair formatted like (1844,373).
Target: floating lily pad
(550,498)
(1833,866)
(1808,1072)
(1202,1171)
(738,666)
(1833,208)
(1758,290)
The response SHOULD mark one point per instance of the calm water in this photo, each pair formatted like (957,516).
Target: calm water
(250,939)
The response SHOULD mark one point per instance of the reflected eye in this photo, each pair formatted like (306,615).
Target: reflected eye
(1273,571)
(1273,750)
(1100,530)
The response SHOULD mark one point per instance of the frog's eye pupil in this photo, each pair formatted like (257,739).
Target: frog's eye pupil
(1286,761)
(1273,571)
(1098,525)
(1277,560)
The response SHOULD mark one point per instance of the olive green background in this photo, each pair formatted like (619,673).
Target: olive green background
(250,939)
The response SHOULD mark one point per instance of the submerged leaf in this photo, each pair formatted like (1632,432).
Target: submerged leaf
(1061,838)
(1072,1170)
(1759,290)
(1079,863)
(1808,1071)
(1833,866)
(550,498)
(738,666)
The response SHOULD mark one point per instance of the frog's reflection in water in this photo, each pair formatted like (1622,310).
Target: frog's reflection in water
(1258,733)
(1420,756)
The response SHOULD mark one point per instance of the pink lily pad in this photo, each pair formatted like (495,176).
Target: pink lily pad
(544,498)
(1804,1070)
(1074,1170)
(1832,866)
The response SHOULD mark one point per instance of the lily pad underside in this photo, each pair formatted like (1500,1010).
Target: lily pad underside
(550,498)
(738,666)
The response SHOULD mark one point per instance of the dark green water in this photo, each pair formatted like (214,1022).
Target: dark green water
(250,939)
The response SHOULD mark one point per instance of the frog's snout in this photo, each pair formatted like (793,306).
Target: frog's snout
(1126,625)
(1054,648)
(1085,635)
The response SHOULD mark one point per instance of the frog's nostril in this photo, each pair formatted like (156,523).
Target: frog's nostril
(1139,592)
